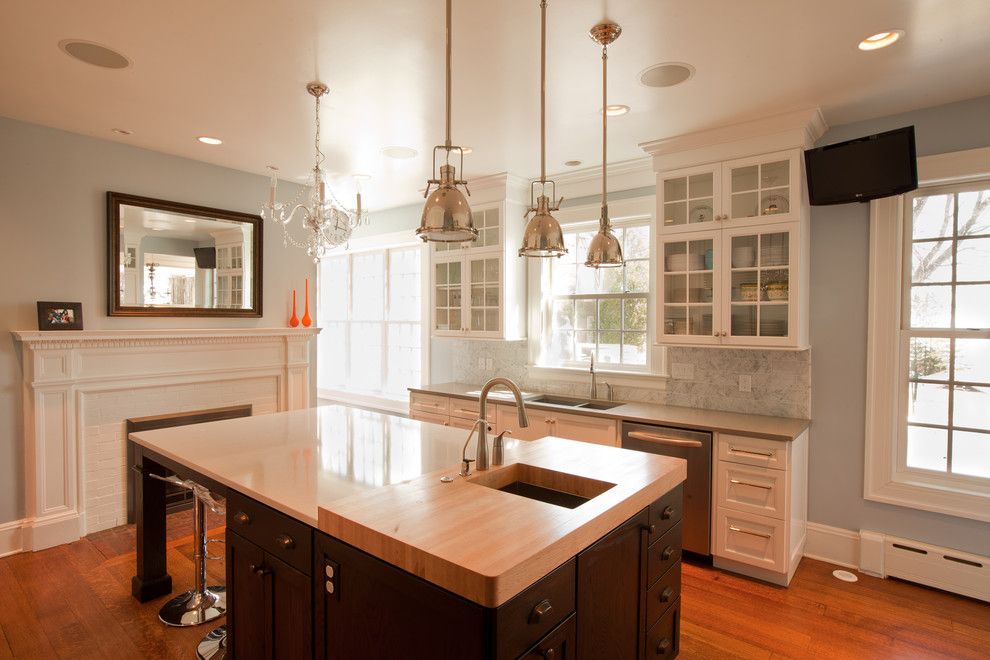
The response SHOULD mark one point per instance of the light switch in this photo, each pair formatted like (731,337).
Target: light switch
(745,383)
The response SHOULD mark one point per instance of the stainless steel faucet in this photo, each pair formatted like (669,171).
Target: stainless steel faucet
(594,379)
(481,455)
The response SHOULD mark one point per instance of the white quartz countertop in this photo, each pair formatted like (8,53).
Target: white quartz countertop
(297,461)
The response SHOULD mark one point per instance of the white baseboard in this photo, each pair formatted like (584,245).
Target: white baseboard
(49,531)
(832,544)
(11,538)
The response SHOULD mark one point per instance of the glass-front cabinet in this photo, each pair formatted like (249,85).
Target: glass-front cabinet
(689,288)
(756,268)
(742,192)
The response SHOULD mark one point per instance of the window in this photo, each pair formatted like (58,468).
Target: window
(370,308)
(928,349)
(600,312)
(946,332)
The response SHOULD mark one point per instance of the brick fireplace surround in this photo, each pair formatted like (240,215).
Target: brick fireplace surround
(80,387)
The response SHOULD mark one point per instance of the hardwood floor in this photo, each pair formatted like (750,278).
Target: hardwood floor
(74,601)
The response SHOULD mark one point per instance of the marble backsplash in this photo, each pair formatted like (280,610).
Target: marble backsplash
(706,377)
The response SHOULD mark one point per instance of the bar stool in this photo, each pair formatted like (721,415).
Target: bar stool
(203,603)
(214,645)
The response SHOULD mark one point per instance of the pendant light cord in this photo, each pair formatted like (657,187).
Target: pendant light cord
(543,92)
(447,142)
(604,128)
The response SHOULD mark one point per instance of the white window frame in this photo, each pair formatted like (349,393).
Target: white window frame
(622,212)
(885,480)
(384,243)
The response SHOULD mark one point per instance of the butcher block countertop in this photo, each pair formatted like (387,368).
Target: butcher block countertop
(373,481)
(776,428)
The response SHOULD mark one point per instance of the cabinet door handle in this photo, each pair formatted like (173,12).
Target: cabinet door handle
(750,483)
(285,541)
(751,453)
(542,609)
(667,513)
(260,571)
(550,654)
(663,646)
(242,518)
(666,595)
(667,553)
(733,528)
(661,440)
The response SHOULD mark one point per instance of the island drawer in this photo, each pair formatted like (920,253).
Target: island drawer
(664,554)
(665,513)
(664,639)
(560,644)
(662,594)
(282,536)
(527,618)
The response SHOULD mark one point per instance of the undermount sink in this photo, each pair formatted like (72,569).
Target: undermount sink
(590,404)
(541,484)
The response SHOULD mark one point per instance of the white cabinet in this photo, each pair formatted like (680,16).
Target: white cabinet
(586,428)
(760,515)
(732,258)
(478,289)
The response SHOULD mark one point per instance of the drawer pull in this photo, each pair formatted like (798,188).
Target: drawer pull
(667,553)
(542,609)
(285,541)
(550,654)
(663,646)
(750,483)
(748,452)
(242,518)
(650,529)
(661,440)
(733,528)
(667,513)
(465,410)
(260,571)
(666,595)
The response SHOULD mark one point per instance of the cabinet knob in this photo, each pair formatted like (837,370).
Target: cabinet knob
(650,529)
(667,513)
(666,595)
(663,646)
(542,609)
(260,571)
(242,518)
(330,586)
(667,553)
(285,541)
(550,654)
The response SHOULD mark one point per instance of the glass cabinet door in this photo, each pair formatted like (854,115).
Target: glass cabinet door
(484,294)
(447,296)
(489,225)
(689,287)
(759,189)
(690,198)
(759,272)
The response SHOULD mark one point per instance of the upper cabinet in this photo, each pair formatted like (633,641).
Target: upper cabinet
(733,234)
(478,288)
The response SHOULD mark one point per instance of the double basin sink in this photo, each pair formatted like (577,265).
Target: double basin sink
(553,400)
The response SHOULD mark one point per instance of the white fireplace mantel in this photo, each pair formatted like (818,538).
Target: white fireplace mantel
(79,386)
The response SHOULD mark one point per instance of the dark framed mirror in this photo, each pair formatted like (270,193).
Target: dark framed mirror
(172,259)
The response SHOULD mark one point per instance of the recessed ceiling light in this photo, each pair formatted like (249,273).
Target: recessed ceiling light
(206,139)
(361,177)
(614,110)
(399,152)
(880,40)
(666,74)
(572,163)
(467,150)
(122,131)
(93,53)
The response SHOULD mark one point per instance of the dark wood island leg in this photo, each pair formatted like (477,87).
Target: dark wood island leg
(152,579)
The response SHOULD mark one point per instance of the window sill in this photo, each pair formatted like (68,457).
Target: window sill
(641,379)
(376,401)
(904,492)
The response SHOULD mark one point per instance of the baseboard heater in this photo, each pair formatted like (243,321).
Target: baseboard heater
(943,568)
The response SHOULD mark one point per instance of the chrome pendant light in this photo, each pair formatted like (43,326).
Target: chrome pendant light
(447,215)
(605,251)
(543,237)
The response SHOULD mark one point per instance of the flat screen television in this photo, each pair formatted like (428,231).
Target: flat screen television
(866,168)
(206,257)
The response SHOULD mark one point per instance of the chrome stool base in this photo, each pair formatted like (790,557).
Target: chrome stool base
(214,645)
(194,608)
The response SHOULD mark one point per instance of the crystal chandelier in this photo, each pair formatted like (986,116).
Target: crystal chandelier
(327,222)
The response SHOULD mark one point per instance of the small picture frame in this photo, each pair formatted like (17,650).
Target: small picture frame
(59,315)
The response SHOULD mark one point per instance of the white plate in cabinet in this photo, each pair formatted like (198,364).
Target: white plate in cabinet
(752,451)
(585,428)
(751,539)
(429,404)
(753,489)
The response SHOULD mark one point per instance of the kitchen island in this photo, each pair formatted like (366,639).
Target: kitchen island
(343,541)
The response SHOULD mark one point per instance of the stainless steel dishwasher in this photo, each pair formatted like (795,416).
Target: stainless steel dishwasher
(696,448)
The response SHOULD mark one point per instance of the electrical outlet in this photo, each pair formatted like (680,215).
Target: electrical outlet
(745,383)
(490,364)
(682,371)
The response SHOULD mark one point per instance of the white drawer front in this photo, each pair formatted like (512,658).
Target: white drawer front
(428,403)
(750,539)
(752,451)
(429,417)
(508,420)
(584,428)
(753,489)
(462,423)
(467,409)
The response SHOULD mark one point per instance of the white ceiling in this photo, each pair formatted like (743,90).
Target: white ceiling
(236,69)
(142,221)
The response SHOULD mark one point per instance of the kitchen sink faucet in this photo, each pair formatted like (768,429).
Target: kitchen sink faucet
(594,382)
(481,455)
